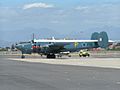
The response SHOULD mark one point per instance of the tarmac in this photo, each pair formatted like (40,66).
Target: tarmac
(97,72)
(103,59)
(92,62)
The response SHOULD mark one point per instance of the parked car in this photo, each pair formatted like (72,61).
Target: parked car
(84,53)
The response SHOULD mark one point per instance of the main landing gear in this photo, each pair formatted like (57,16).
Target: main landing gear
(51,56)
(23,56)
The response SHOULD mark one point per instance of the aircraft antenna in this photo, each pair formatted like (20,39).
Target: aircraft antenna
(33,37)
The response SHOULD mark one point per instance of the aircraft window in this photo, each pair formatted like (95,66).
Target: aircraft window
(84,44)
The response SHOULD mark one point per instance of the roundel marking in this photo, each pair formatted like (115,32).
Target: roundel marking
(76,44)
(100,39)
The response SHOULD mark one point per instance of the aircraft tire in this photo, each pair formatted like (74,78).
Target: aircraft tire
(22,56)
(51,56)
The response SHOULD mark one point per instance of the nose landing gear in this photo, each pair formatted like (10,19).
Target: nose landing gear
(23,56)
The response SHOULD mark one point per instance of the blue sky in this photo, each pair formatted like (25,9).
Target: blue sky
(59,3)
(71,18)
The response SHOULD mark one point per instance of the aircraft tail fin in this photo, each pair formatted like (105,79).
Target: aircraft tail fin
(102,38)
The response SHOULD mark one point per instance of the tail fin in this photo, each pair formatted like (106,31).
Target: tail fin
(95,36)
(102,38)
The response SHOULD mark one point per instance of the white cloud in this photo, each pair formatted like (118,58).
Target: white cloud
(37,5)
(82,8)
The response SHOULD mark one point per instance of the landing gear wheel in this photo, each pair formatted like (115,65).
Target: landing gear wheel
(22,56)
(51,56)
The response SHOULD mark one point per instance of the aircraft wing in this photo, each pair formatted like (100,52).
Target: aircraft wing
(64,41)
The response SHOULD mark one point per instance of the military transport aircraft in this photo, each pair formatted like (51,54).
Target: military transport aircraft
(53,47)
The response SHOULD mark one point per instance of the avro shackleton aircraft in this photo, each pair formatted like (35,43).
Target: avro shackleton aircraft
(53,47)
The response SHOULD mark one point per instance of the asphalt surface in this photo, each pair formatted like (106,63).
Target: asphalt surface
(20,75)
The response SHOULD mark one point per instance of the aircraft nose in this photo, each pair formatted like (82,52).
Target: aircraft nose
(18,46)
